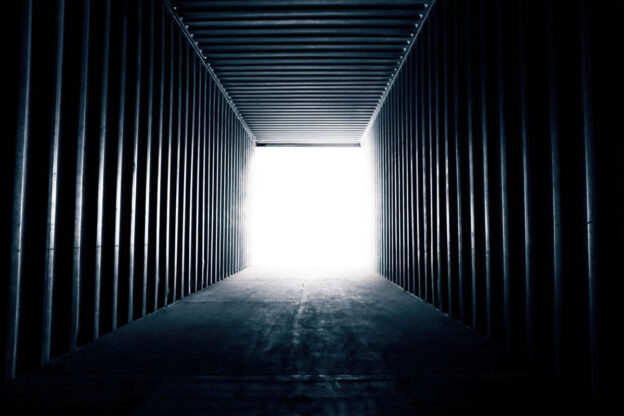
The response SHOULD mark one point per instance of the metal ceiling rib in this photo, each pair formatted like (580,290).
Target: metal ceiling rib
(304,71)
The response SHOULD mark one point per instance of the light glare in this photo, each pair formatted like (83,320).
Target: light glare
(310,207)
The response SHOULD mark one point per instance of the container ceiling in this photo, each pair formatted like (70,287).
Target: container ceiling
(304,71)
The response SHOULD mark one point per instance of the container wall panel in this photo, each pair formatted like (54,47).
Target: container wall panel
(503,113)
(111,157)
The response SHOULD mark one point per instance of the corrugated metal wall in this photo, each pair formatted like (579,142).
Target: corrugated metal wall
(497,158)
(130,168)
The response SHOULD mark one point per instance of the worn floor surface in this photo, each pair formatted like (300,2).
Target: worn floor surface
(280,341)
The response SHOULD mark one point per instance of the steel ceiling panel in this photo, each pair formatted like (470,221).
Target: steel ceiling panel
(304,71)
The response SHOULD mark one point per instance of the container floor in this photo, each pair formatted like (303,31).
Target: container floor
(290,341)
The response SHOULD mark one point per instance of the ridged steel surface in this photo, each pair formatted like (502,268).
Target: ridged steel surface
(131,175)
(305,71)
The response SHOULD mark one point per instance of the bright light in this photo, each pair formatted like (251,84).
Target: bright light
(310,207)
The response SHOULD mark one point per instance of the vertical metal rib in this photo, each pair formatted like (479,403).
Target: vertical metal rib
(184,289)
(80,178)
(502,134)
(392,128)
(200,182)
(471,179)
(402,193)
(486,191)
(230,177)
(220,192)
(423,167)
(230,190)
(384,192)
(384,173)
(556,195)
(216,191)
(178,157)
(234,237)
(221,222)
(120,157)
(205,156)
(237,238)
(170,137)
(411,139)
(241,195)
(228,195)
(135,160)
(101,164)
(148,160)
(436,25)
(394,198)
(223,144)
(590,201)
(415,75)
(431,217)
(50,261)
(384,136)
(458,176)
(232,193)
(19,189)
(239,220)
(384,162)
(382,198)
(244,232)
(447,186)
(224,189)
(228,200)
(198,204)
(393,191)
(191,193)
(159,173)
(211,172)
(526,187)
(211,158)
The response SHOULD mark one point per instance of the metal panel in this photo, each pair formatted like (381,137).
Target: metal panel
(169,283)
(526,191)
(486,195)
(458,164)
(176,275)
(184,275)
(504,210)
(191,191)
(120,159)
(19,188)
(80,179)
(101,166)
(590,203)
(295,43)
(114,188)
(553,125)
(53,189)
(297,70)
(135,160)
(148,162)
(482,123)
(446,126)
(159,172)
(471,179)
(438,254)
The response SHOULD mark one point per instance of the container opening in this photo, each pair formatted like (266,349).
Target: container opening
(310,207)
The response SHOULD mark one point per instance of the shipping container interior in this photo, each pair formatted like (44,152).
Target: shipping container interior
(417,205)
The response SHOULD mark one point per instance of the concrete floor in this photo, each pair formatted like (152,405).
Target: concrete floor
(280,341)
